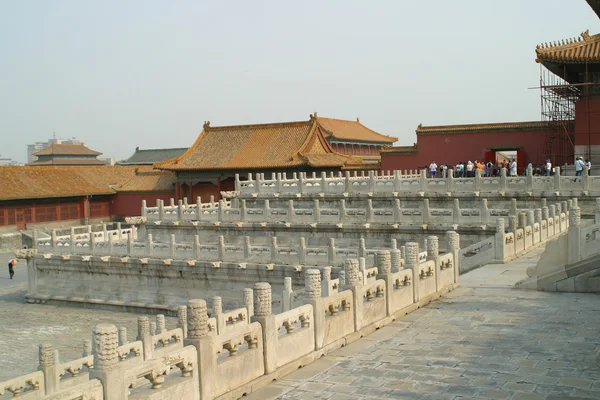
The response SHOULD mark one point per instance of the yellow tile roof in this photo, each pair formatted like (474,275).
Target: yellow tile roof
(529,125)
(45,182)
(352,130)
(145,180)
(68,161)
(279,145)
(66,149)
(584,48)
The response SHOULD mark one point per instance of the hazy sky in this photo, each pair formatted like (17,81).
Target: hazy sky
(121,74)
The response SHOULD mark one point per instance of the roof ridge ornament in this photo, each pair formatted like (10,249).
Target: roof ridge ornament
(206,125)
(586,34)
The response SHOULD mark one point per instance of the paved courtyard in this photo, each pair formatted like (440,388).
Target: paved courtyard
(482,341)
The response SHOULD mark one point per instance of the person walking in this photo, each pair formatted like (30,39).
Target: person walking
(433,168)
(548,167)
(513,167)
(11,270)
(579,166)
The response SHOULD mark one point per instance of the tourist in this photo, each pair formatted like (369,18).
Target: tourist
(469,167)
(444,170)
(579,164)
(11,270)
(489,169)
(513,167)
(548,167)
(588,164)
(433,168)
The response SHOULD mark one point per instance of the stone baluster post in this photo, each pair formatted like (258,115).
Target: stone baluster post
(370,213)
(529,216)
(456,217)
(574,235)
(274,250)
(450,181)
(323,182)
(287,295)
(160,324)
(347,182)
(106,359)
(249,301)
(412,262)
(503,180)
(266,210)
(161,209)
(353,279)
(301,182)
(362,249)
(499,238)
(512,224)
(316,211)
(477,180)
(145,336)
(172,246)
(537,215)
(87,348)
(395,257)
(53,239)
(484,211)
(302,251)
(397,214)
(198,336)
(551,217)
(196,247)
(217,312)
(522,220)
(513,207)
(331,251)
(263,314)
(48,367)
(258,183)
(529,179)
(342,278)
(150,245)
(453,240)
(123,336)
(423,180)
(597,212)
(199,208)
(342,211)
(383,262)
(426,212)
(362,266)
(182,319)
(291,213)
(144,209)
(433,254)
(278,183)
(152,328)
(105,233)
(557,179)
(179,209)
(247,248)
(326,286)
(243,211)
(221,248)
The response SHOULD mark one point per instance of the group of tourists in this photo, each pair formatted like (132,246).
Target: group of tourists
(467,169)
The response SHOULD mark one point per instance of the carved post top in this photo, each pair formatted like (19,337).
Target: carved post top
(574,201)
(383,261)
(453,240)
(106,343)
(46,355)
(326,273)
(352,272)
(412,253)
(217,305)
(249,301)
(575,216)
(262,299)
(182,315)
(312,283)
(456,203)
(512,223)
(530,217)
(500,225)
(87,348)
(552,210)
(394,244)
(538,215)
(484,203)
(143,327)
(433,246)
(197,318)
(123,335)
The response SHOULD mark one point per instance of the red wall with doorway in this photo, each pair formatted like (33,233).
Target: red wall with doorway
(451,148)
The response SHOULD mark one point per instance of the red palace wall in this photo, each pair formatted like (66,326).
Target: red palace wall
(130,204)
(450,148)
(587,110)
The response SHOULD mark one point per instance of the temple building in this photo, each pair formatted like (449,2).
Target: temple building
(569,125)
(66,154)
(210,165)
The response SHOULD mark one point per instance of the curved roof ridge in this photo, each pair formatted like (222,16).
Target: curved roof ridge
(260,125)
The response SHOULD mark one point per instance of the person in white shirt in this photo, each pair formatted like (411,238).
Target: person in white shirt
(548,167)
(513,167)
(579,166)
(588,164)
(444,169)
(433,168)
(470,169)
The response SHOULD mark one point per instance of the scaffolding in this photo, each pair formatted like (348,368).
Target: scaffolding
(558,98)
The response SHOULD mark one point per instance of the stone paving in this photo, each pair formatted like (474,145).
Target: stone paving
(24,326)
(482,341)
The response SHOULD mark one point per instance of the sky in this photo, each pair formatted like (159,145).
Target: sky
(120,74)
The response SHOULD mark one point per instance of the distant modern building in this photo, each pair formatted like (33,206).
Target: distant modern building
(4,162)
(67,154)
(151,156)
(39,146)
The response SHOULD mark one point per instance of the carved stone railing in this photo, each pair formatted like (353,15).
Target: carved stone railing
(381,182)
